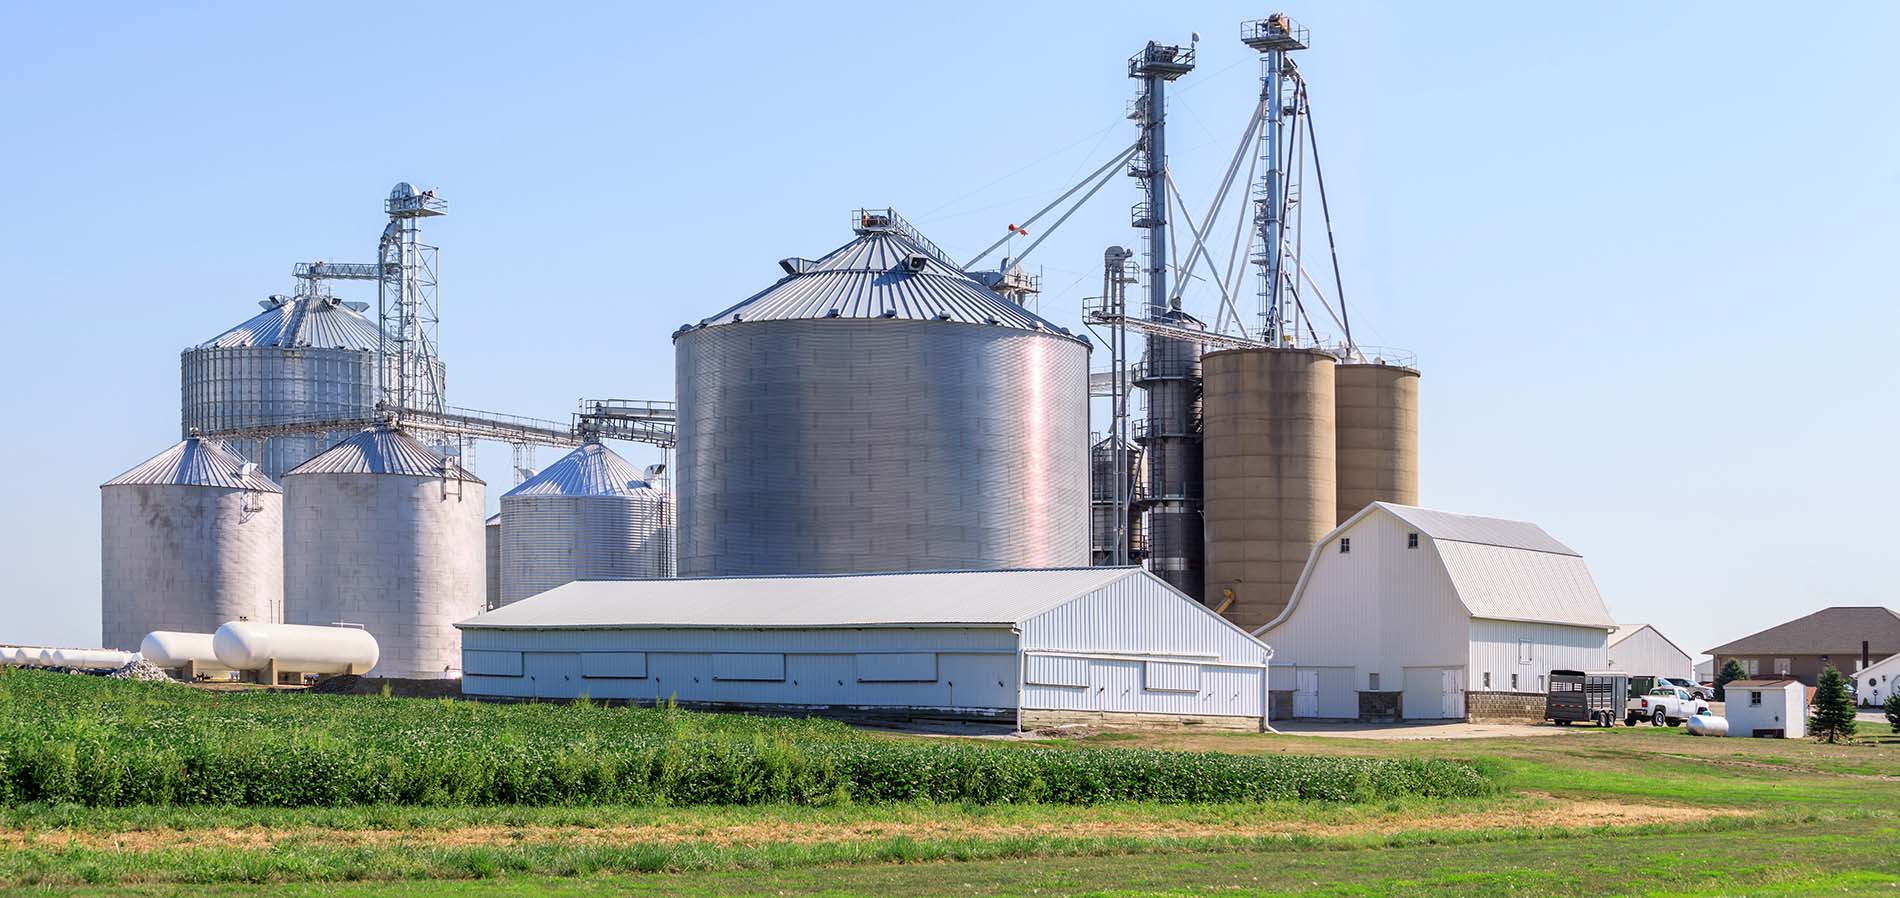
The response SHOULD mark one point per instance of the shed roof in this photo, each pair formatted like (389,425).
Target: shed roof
(382,450)
(1829,631)
(314,322)
(869,278)
(196,461)
(920,599)
(590,470)
(1777,682)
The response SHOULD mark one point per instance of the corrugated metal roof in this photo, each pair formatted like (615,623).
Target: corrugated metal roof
(591,470)
(380,450)
(924,599)
(196,461)
(870,278)
(1466,528)
(314,322)
(1517,584)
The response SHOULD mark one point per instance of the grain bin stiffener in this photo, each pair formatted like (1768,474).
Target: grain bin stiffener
(877,409)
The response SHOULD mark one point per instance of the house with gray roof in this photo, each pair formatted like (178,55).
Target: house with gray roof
(1801,648)
(1418,614)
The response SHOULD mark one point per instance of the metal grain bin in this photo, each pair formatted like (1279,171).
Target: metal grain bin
(1377,427)
(303,358)
(879,410)
(189,539)
(491,545)
(384,532)
(1269,474)
(590,516)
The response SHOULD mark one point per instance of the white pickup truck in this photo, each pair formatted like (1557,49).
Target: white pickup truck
(1664,705)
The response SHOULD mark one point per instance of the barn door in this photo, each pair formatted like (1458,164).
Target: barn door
(1305,693)
(1454,693)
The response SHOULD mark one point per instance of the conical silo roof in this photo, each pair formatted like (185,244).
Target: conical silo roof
(196,461)
(382,450)
(301,322)
(591,470)
(883,274)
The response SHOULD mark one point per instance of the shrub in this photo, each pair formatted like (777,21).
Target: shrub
(1833,716)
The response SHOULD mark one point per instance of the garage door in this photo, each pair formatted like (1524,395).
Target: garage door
(1324,692)
(552,674)
(1434,693)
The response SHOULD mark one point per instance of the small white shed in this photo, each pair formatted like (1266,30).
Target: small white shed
(1777,708)
(1876,681)
(1034,647)
(1642,650)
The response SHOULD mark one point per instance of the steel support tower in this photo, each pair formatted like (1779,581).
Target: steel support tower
(1115,517)
(1169,372)
(1274,36)
(406,302)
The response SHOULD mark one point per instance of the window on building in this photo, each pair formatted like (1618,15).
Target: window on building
(1754,698)
(1783,666)
(1513,682)
(1540,682)
(1523,651)
(1372,682)
(1487,679)
(1345,544)
(1411,540)
(1751,666)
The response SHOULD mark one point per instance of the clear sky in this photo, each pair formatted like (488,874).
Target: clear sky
(1643,251)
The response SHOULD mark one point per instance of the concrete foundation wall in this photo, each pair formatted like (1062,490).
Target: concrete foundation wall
(1504,706)
(1036,720)
(1381,705)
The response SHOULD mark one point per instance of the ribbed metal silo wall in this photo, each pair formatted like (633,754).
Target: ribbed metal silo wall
(1377,424)
(1270,463)
(841,446)
(548,540)
(251,386)
(491,541)
(187,558)
(400,555)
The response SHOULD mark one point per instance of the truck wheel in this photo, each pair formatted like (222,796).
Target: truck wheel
(1630,720)
(1675,721)
(1659,718)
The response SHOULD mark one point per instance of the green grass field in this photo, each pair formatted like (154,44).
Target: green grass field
(1587,812)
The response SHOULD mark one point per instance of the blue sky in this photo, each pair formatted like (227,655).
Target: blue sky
(1641,251)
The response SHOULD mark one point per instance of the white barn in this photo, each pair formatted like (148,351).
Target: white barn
(1876,681)
(1642,650)
(1421,614)
(1032,647)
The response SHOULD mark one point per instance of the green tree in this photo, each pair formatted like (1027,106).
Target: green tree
(1730,671)
(1892,707)
(1833,717)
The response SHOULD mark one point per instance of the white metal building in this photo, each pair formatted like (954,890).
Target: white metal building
(1034,646)
(1405,611)
(1876,681)
(1774,707)
(1643,650)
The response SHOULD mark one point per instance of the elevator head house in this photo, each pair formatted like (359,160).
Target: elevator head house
(1410,613)
(1032,648)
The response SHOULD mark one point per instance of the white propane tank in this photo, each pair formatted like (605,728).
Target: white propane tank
(170,648)
(19,655)
(91,659)
(1708,725)
(299,648)
(42,658)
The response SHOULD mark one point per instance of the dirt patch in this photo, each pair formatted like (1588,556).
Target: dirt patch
(351,684)
(1549,814)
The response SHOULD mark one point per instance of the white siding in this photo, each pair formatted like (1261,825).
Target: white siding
(1117,686)
(763,666)
(1878,681)
(1530,651)
(1782,708)
(1168,676)
(1140,616)
(897,667)
(1380,608)
(624,665)
(1046,670)
(1646,653)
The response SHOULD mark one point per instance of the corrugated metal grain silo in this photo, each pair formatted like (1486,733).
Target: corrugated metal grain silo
(1377,424)
(878,409)
(190,539)
(590,516)
(382,531)
(1270,474)
(1113,457)
(491,543)
(302,358)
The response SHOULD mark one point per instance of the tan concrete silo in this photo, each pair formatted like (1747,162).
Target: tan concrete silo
(1270,474)
(1377,425)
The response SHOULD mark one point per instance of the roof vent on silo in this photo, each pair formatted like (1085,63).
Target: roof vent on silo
(795,265)
(917,262)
